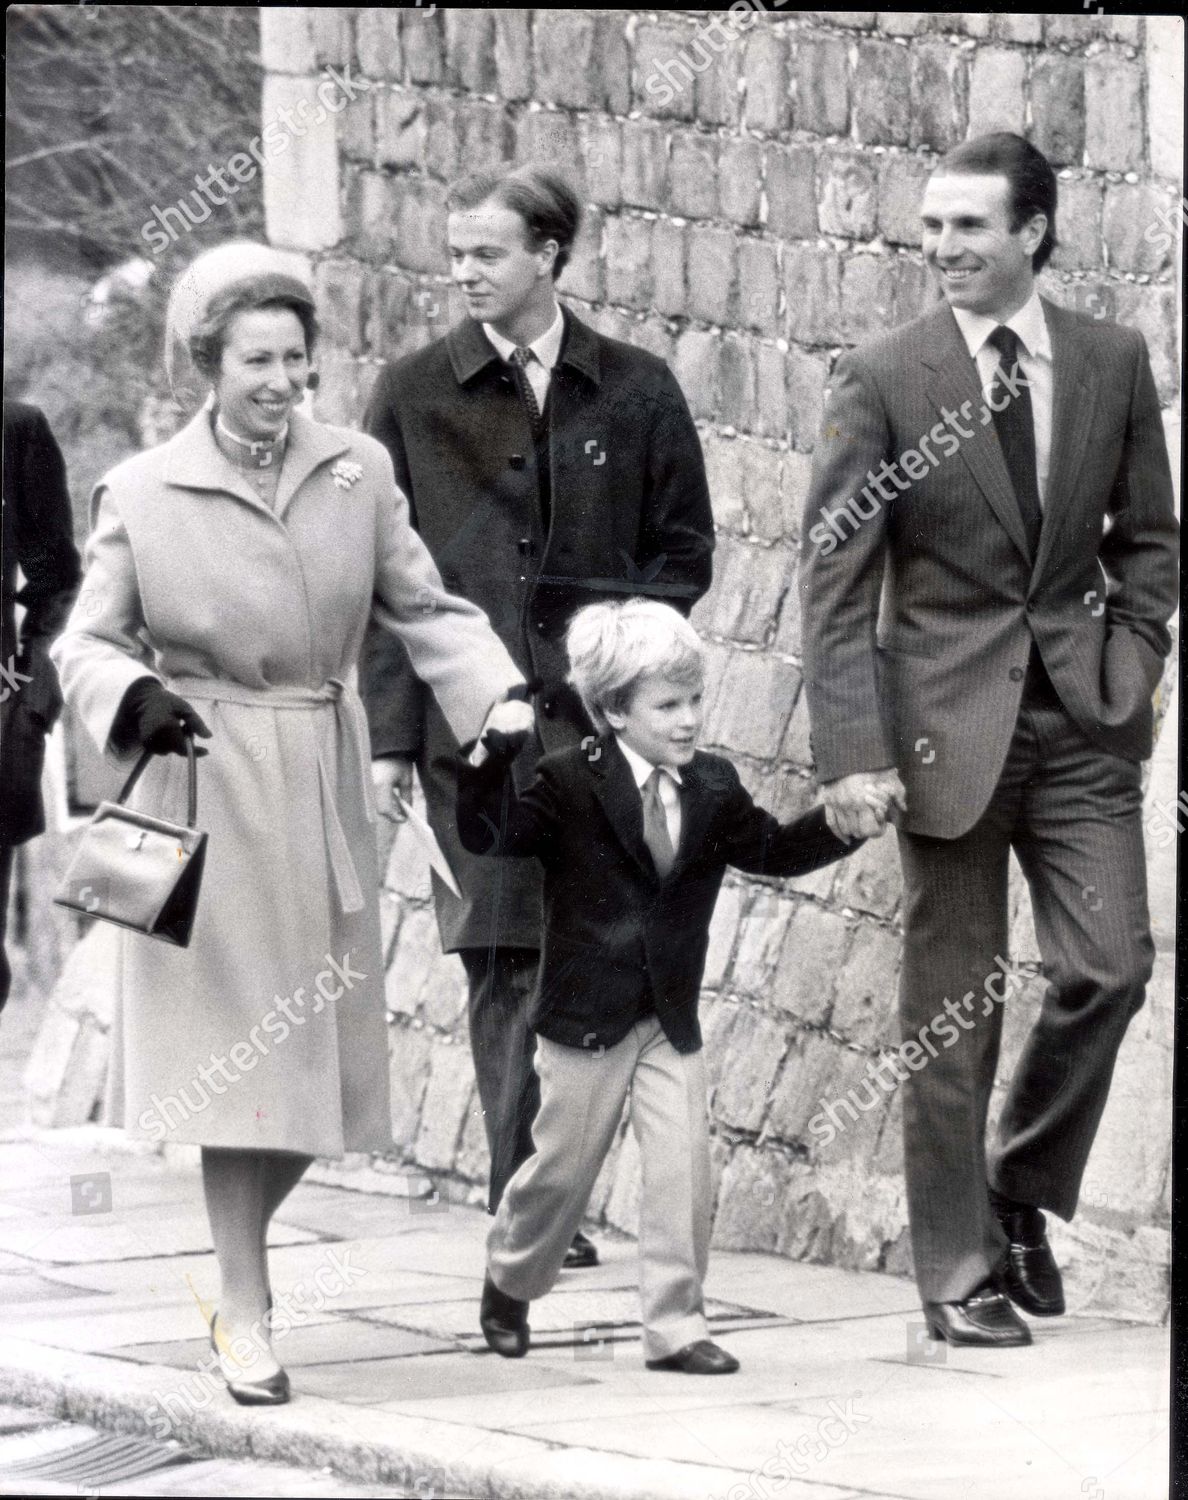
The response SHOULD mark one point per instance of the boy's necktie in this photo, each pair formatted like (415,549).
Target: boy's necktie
(1015,425)
(655,821)
(520,358)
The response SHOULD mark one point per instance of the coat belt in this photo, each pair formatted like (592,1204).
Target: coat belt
(351,728)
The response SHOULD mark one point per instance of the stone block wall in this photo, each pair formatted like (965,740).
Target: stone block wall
(752,185)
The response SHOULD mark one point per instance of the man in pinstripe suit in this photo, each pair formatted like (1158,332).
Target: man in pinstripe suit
(989,564)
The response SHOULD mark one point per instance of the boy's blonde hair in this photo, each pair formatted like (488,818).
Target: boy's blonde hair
(611,646)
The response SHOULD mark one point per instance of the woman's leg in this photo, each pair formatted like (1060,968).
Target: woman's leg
(281,1171)
(234,1182)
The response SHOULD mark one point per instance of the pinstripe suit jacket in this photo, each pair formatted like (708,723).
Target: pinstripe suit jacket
(920,603)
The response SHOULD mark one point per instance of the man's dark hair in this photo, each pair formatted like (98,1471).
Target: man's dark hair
(547,204)
(1028,171)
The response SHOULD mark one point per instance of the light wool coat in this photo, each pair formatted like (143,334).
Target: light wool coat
(257,618)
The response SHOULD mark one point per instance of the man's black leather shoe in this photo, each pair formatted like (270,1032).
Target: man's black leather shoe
(702,1358)
(1030,1276)
(985,1318)
(504,1321)
(581,1253)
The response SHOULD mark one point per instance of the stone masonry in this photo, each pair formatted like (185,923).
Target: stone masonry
(752,195)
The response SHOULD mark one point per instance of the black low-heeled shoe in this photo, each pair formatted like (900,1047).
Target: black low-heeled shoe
(504,1321)
(274,1391)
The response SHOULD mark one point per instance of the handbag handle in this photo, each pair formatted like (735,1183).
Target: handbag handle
(192,779)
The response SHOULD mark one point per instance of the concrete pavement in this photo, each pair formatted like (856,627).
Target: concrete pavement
(106,1279)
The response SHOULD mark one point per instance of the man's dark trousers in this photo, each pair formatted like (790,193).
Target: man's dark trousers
(1072,814)
(501,981)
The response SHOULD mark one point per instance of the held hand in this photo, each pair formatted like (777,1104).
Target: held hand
(511,723)
(392,775)
(859,806)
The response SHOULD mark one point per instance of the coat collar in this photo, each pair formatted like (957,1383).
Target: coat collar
(470,349)
(193,460)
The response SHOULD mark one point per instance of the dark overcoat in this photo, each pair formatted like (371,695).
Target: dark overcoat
(630,515)
(38,539)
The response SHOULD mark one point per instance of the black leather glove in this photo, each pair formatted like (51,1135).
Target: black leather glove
(158,720)
(505,747)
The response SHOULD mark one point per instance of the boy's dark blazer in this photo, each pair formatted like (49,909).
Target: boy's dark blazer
(616,936)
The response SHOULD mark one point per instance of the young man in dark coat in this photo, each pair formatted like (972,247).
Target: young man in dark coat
(38,539)
(546,467)
(634,832)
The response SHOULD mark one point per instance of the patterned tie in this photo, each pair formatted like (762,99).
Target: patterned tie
(520,359)
(1015,426)
(655,821)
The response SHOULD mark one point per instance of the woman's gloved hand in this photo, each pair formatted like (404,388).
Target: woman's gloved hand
(158,720)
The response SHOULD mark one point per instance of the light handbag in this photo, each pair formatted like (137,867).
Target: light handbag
(140,872)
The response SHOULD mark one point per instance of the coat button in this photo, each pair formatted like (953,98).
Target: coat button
(1016,674)
(516,461)
(526,547)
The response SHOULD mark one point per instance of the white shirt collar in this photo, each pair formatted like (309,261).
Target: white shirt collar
(1029,323)
(547,347)
(641,769)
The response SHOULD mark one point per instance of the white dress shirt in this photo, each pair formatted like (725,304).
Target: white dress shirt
(670,799)
(547,349)
(1035,361)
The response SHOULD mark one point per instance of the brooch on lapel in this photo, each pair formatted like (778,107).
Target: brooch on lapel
(345,472)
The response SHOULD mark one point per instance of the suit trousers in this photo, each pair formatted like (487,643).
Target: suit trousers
(501,982)
(582,1097)
(1072,814)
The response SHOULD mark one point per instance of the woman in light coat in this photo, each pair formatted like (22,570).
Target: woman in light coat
(231,573)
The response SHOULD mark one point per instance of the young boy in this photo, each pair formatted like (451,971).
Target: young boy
(634,830)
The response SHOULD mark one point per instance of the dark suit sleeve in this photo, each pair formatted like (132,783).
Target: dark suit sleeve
(494,819)
(677,526)
(751,839)
(1139,552)
(841,580)
(44,536)
(393,696)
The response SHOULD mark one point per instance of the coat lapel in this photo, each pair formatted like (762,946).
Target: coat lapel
(615,788)
(955,381)
(310,445)
(697,809)
(1074,410)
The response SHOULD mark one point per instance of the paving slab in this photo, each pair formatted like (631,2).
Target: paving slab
(393,1386)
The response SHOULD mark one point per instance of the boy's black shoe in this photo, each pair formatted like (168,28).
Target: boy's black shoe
(581,1253)
(504,1321)
(702,1358)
